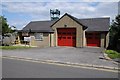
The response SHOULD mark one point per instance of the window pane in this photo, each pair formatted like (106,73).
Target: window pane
(68,37)
(39,36)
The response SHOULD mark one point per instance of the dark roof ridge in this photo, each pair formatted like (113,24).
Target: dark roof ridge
(95,18)
(72,17)
(42,21)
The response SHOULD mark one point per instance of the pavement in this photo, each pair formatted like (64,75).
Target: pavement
(89,57)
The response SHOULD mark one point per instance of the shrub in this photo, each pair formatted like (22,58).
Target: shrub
(112,54)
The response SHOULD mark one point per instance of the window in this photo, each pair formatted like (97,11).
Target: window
(64,37)
(74,33)
(39,36)
(63,33)
(73,37)
(68,37)
(0,37)
(69,33)
(59,37)
(59,32)
(89,37)
(97,37)
(90,34)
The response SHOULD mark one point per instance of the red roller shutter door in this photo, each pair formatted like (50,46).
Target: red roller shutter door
(93,39)
(66,37)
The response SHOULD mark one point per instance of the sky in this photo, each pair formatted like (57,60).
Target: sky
(20,13)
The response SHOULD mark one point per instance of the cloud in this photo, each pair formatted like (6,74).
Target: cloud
(107,9)
(23,7)
(74,8)
(18,23)
(119,7)
(60,0)
(41,10)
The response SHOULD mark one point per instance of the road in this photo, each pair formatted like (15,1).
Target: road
(12,68)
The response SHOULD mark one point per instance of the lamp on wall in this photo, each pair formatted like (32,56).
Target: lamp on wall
(65,25)
(53,29)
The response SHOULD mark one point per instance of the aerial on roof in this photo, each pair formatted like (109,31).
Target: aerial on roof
(91,24)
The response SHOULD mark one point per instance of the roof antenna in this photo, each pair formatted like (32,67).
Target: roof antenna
(54,14)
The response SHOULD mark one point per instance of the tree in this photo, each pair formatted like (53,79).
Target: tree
(114,43)
(4,26)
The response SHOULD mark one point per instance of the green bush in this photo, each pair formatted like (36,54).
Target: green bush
(112,54)
(13,47)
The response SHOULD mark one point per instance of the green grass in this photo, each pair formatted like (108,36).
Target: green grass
(13,47)
(112,54)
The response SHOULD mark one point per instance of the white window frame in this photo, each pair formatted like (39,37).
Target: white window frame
(38,36)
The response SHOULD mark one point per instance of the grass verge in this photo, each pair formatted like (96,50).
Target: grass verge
(112,54)
(13,47)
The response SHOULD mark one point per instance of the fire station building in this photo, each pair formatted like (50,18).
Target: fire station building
(68,31)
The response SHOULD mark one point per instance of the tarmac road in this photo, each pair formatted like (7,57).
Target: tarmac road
(12,68)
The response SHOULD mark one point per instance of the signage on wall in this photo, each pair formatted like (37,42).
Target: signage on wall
(27,38)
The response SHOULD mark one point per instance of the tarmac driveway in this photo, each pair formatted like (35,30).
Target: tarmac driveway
(63,54)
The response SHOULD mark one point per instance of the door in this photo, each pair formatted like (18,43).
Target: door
(66,37)
(93,39)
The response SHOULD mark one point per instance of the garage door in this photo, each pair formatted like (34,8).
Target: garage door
(66,37)
(93,39)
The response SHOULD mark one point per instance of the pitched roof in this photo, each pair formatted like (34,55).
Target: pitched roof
(91,24)
(39,26)
(72,17)
(96,24)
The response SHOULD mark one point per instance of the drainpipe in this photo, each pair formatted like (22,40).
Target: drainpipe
(50,39)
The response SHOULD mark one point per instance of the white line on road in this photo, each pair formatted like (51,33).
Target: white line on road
(45,62)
